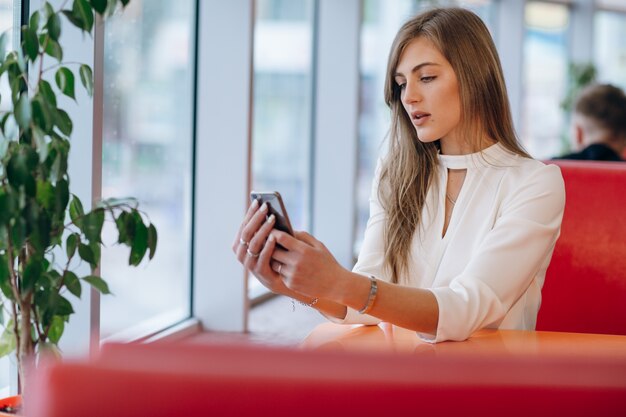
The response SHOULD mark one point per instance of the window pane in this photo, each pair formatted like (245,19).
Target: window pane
(543,130)
(283,37)
(381,21)
(147,153)
(609,47)
(7,15)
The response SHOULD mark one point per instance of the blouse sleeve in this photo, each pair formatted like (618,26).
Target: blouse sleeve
(507,260)
(371,255)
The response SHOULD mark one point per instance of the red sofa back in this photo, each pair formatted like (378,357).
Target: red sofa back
(188,380)
(585,287)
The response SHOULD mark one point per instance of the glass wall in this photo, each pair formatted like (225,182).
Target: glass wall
(147,153)
(283,57)
(544,131)
(381,21)
(609,47)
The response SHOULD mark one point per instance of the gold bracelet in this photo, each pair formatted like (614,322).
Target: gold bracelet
(371,297)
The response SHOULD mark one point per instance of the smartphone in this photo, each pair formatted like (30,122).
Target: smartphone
(276,207)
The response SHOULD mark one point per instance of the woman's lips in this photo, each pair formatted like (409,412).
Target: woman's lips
(419,118)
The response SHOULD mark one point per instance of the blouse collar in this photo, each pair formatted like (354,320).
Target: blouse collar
(495,154)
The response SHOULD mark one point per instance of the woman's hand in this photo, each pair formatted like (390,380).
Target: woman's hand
(307,266)
(254,246)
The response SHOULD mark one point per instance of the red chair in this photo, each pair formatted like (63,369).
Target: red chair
(585,287)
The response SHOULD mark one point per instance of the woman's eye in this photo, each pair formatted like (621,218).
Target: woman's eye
(401,86)
(427,79)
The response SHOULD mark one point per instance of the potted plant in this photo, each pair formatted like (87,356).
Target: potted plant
(44,230)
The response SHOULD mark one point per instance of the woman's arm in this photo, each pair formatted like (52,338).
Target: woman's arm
(309,269)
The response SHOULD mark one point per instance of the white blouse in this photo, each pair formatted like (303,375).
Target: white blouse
(487,271)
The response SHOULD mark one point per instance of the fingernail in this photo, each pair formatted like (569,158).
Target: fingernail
(255,203)
(271,238)
(271,218)
(264,207)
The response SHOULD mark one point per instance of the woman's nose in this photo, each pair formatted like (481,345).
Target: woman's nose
(411,94)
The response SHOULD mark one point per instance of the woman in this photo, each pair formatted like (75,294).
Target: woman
(462,221)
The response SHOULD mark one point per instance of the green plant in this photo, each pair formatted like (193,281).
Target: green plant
(44,231)
(579,76)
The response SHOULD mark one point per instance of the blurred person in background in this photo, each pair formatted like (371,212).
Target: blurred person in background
(599,124)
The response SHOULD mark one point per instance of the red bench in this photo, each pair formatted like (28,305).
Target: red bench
(188,380)
(585,287)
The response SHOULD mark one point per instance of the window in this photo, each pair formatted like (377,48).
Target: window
(609,48)
(10,12)
(147,153)
(543,129)
(283,51)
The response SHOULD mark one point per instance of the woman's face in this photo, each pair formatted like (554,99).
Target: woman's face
(430,95)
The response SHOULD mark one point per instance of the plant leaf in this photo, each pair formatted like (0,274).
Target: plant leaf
(152,240)
(32,273)
(20,165)
(91,225)
(76,210)
(4,40)
(140,241)
(4,269)
(34,21)
(63,307)
(72,283)
(56,329)
(82,10)
(99,6)
(42,118)
(40,142)
(63,121)
(65,81)
(23,112)
(62,198)
(45,194)
(7,340)
(86,254)
(30,44)
(54,27)
(70,245)
(98,283)
(86,77)
(125,2)
(46,91)
(120,222)
(53,49)
(18,232)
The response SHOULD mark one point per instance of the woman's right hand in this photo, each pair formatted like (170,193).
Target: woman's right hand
(254,247)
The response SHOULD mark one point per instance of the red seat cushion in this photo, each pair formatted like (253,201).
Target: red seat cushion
(585,287)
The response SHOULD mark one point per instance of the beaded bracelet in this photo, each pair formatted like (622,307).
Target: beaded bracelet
(311,304)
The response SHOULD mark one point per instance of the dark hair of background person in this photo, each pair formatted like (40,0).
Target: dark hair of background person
(599,121)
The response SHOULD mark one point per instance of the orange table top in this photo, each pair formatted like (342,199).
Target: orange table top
(389,338)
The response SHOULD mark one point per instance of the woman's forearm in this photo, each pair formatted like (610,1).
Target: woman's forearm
(412,308)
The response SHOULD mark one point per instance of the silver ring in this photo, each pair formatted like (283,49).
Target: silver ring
(252,254)
(280,267)
(243,242)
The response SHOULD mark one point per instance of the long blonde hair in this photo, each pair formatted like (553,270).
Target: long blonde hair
(410,165)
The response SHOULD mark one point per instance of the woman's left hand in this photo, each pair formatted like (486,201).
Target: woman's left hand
(308,267)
